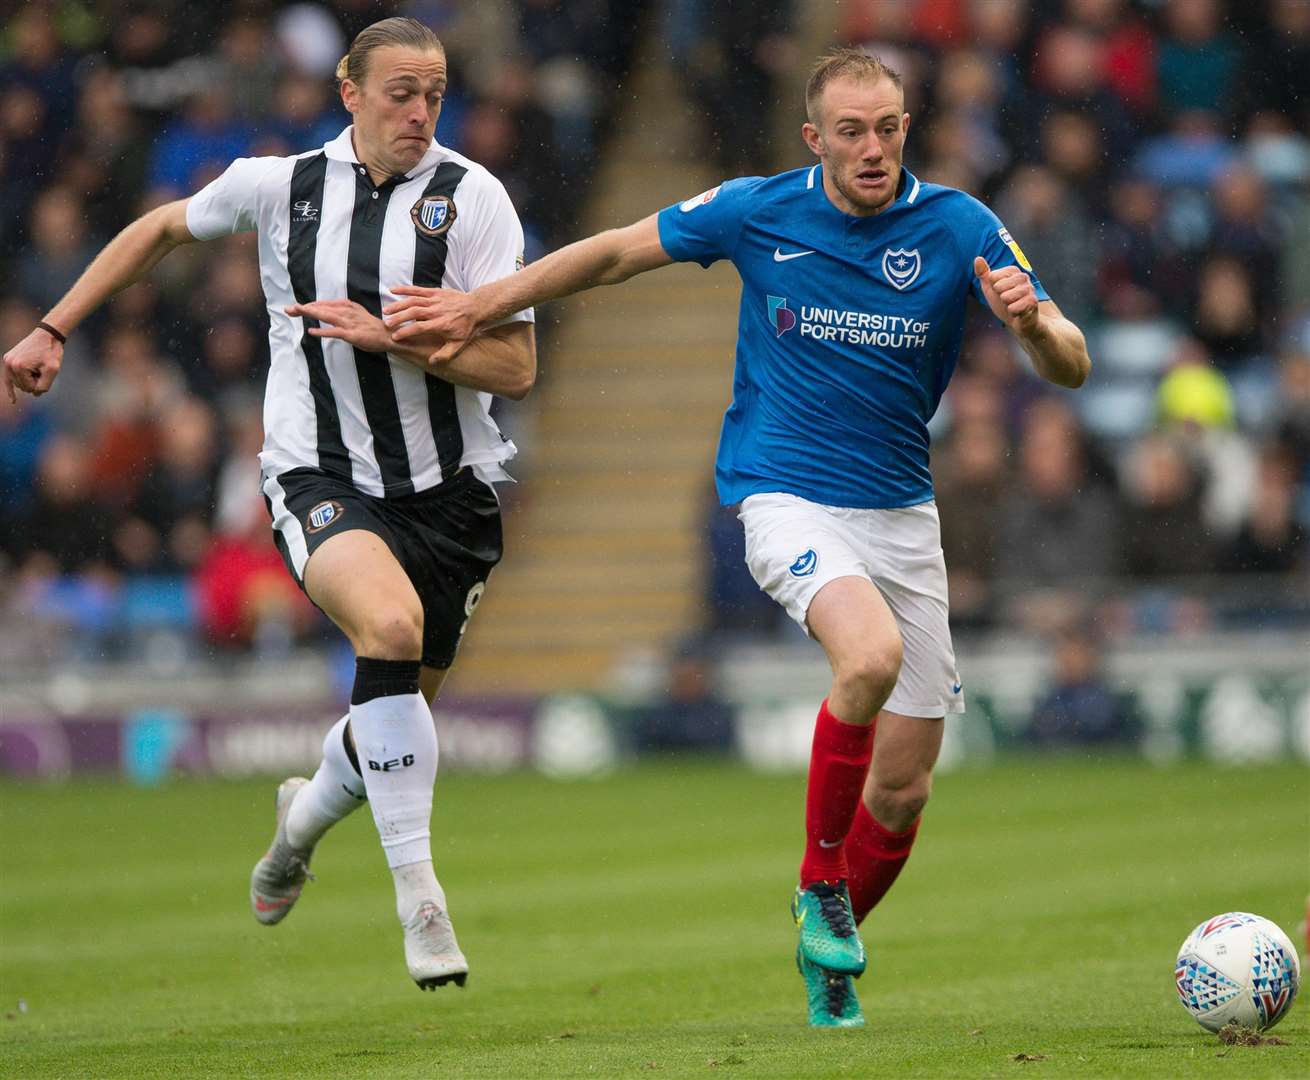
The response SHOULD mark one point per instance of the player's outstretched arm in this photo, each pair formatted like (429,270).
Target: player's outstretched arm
(1055,345)
(32,364)
(501,360)
(604,259)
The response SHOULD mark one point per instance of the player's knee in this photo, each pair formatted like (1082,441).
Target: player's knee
(394,631)
(873,672)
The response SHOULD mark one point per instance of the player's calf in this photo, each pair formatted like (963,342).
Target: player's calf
(898,806)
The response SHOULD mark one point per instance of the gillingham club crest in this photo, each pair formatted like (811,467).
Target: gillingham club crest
(433,214)
(324,514)
(901,268)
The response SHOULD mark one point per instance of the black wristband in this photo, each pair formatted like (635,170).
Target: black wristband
(52,332)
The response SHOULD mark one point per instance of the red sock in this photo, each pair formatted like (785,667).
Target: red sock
(839,761)
(876,856)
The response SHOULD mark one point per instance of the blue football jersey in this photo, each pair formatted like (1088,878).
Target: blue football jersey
(849,330)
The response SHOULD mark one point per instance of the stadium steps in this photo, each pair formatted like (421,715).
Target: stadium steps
(605,555)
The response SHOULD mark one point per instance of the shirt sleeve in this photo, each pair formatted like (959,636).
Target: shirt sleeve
(226,205)
(490,243)
(995,244)
(705,227)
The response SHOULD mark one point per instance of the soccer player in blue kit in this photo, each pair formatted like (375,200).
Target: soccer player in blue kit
(855,277)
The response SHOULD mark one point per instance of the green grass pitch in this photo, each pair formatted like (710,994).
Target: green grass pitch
(638,926)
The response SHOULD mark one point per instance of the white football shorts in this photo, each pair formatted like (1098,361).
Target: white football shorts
(795,547)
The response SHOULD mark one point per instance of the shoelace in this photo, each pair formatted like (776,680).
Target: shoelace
(836,914)
(427,916)
(298,869)
(835,992)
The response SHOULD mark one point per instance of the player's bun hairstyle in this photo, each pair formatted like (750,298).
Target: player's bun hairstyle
(396,31)
(844,62)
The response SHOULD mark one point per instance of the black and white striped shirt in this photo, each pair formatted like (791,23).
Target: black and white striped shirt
(327,232)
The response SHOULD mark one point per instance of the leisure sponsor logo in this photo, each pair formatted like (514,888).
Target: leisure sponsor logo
(433,215)
(879,329)
(699,200)
(901,268)
(781,317)
(305,211)
(324,514)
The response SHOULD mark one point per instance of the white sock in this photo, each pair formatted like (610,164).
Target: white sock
(416,883)
(335,791)
(397,747)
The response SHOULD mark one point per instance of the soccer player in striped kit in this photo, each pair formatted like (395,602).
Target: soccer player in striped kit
(377,467)
(855,276)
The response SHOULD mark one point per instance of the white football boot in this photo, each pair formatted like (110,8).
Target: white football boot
(431,952)
(278,877)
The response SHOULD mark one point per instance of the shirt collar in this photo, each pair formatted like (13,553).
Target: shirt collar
(907,190)
(342,148)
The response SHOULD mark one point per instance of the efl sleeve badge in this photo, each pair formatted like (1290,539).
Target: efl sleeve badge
(433,214)
(1017,251)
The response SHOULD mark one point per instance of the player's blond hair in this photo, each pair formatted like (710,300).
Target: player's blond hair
(394,31)
(844,62)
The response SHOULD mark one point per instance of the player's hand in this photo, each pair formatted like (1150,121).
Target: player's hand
(452,316)
(1010,295)
(31,365)
(346,320)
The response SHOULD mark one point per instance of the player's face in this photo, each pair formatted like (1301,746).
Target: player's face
(396,106)
(860,138)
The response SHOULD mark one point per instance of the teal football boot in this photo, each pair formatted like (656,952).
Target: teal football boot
(831,995)
(828,938)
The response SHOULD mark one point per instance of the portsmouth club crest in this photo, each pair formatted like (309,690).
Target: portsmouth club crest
(901,268)
(433,214)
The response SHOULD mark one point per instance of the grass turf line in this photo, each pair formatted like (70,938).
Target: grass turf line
(639,925)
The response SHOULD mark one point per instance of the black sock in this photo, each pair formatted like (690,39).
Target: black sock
(383,678)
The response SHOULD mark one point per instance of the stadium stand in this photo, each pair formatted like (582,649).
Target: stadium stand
(1151,158)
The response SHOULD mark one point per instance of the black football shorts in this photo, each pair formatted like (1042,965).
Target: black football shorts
(448,539)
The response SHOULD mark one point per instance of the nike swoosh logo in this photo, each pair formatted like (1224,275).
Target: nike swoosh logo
(778,256)
(272,905)
(829,844)
(954,690)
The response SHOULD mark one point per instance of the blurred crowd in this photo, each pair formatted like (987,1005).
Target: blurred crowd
(1151,157)
(129,499)
(1153,160)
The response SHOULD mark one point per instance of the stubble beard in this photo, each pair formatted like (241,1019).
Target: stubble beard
(862,202)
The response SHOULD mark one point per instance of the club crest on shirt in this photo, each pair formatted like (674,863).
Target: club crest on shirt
(324,514)
(901,267)
(433,214)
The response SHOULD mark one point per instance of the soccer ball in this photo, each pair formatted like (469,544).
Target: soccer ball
(1237,968)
